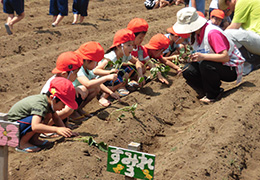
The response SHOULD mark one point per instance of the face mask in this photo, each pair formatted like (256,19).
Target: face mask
(69,74)
(52,103)
(177,40)
(122,47)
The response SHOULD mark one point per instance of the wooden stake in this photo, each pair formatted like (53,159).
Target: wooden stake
(3,155)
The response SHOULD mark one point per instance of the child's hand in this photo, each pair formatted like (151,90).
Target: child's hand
(116,96)
(112,77)
(113,71)
(63,131)
(162,79)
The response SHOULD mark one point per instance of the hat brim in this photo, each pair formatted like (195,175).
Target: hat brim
(56,71)
(72,104)
(189,28)
(222,4)
(148,46)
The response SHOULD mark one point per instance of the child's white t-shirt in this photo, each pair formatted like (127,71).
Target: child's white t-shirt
(46,87)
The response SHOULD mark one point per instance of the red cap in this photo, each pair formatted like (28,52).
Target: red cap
(217,13)
(170,30)
(67,61)
(63,89)
(91,51)
(157,42)
(122,36)
(138,25)
(201,14)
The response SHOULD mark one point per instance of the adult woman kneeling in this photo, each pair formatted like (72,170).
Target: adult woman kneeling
(216,58)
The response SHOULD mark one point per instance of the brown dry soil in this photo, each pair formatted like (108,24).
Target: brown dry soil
(191,140)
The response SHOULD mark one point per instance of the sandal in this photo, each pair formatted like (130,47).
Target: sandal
(123,92)
(25,150)
(49,135)
(132,86)
(8,29)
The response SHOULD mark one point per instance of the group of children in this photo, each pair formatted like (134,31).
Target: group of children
(89,72)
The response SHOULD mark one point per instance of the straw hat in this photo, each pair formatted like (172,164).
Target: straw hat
(188,21)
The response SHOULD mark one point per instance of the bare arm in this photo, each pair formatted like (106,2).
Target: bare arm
(171,64)
(139,68)
(100,69)
(96,82)
(221,57)
(234,25)
(39,127)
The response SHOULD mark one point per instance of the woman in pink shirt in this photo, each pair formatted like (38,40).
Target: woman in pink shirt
(216,58)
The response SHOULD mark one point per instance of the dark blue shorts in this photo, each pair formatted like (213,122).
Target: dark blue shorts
(58,7)
(80,7)
(126,69)
(79,100)
(25,125)
(13,5)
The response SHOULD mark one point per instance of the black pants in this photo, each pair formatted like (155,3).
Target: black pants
(207,76)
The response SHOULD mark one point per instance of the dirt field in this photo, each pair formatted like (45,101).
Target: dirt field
(190,140)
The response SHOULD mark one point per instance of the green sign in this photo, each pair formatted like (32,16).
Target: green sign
(130,163)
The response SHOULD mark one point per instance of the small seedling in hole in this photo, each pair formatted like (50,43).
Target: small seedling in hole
(173,149)
(90,141)
(159,68)
(130,109)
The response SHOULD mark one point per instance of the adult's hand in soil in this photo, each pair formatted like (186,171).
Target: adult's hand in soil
(63,131)
(196,57)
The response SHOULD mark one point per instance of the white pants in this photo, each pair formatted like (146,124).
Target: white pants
(249,39)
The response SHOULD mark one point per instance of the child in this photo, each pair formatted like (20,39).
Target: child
(153,4)
(59,9)
(79,7)
(216,59)
(176,41)
(157,44)
(34,112)
(139,26)
(9,7)
(67,66)
(92,53)
(216,17)
(120,51)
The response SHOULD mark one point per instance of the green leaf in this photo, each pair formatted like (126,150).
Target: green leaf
(102,146)
(141,79)
(91,141)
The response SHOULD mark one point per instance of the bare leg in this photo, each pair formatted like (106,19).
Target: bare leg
(81,19)
(58,20)
(24,142)
(75,16)
(16,19)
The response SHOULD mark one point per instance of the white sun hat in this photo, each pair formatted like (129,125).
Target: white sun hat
(188,21)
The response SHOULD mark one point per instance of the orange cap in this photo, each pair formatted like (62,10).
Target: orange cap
(157,42)
(67,61)
(91,51)
(201,14)
(64,90)
(138,25)
(122,36)
(170,30)
(217,13)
